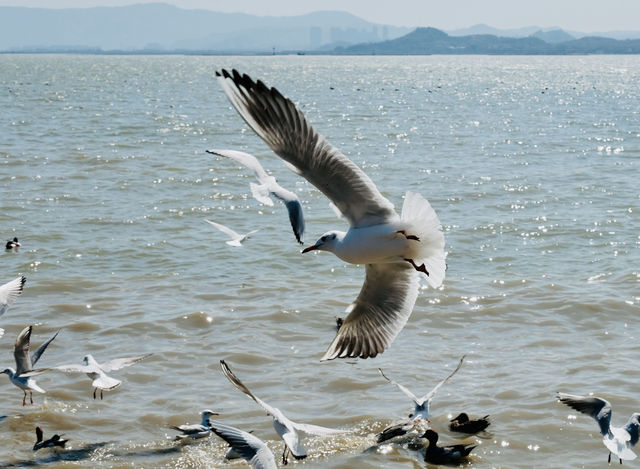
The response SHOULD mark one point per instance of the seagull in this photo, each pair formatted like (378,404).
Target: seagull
(394,249)
(196,430)
(22,375)
(98,372)
(287,429)
(268,186)
(12,243)
(52,442)
(8,293)
(463,424)
(236,238)
(452,454)
(421,409)
(249,447)
(618,440)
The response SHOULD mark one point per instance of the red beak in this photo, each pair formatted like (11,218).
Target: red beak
(310,248)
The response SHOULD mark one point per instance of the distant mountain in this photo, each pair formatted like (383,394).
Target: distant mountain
(533,30)
(161,26)
(484,29)
(434,41)
(553,36)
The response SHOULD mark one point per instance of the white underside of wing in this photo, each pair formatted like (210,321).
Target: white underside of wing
(378,314)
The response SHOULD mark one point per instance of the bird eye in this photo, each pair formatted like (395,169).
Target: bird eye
(323,239)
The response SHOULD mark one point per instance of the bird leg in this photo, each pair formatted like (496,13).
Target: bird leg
(413,237)
(284,455)
(609,459)
(24,399)
(94,392)
(101,391)
(31,396)
(420,268)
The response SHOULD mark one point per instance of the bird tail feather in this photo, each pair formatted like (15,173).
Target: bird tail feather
(422,221)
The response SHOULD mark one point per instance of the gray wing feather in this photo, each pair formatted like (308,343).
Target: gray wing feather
(119,363)
(595,407)
(249,447)
(41,349)
(402,388)
(430,394)
(21,351)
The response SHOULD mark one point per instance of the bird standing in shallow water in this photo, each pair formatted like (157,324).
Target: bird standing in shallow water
(451,454)
(394,249)
(22,375)
(618,440)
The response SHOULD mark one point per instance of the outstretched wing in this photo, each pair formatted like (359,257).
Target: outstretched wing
(118,363)
(317,429)
(245,159)
(378,314)
(9,292)
(226,230)
(595,407)
(285,129)
(36,356)
(240,385)
(21,351)
(430,394)
(249,447)
(402,388)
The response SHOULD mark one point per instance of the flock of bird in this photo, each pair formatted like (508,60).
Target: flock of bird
(397,250)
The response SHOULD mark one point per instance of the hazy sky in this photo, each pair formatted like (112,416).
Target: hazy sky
(577,15)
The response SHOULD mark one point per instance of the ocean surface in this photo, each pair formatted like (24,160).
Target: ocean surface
(532,164)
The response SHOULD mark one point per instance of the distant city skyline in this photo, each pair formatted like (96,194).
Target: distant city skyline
(576,15)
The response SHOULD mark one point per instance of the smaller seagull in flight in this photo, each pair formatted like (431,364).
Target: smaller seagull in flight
(236,238)
(421,405)
(420,411)
(98,372)
(269,187)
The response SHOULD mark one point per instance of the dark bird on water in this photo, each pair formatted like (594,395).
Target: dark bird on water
(452,454)
(55,440)
(12,243)
(463,424)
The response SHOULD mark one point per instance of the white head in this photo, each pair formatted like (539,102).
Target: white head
(326,242)
(206,414)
